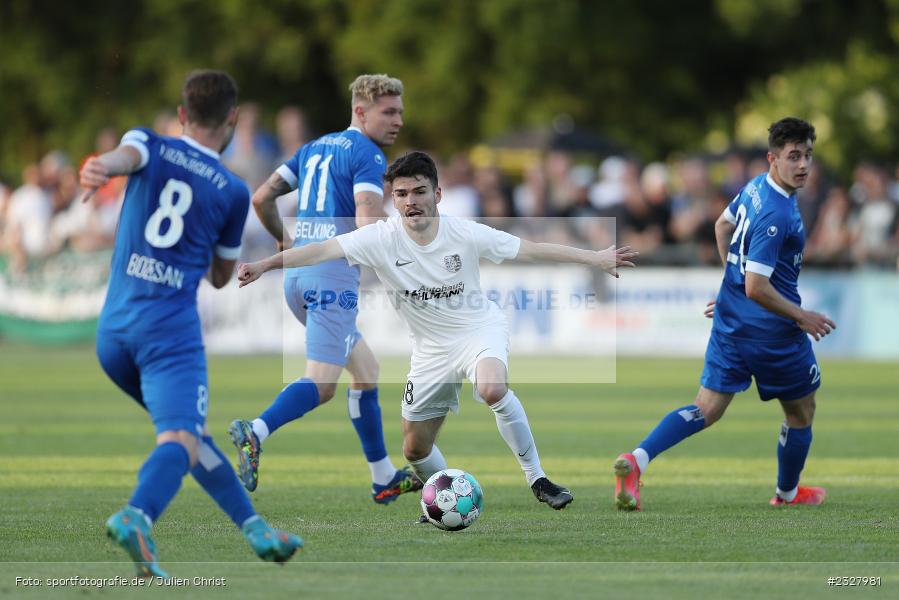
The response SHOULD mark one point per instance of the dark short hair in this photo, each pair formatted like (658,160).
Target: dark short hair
(790,130)
(413,164)
(208,96)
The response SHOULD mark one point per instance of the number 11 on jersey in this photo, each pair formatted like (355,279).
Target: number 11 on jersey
(322,182)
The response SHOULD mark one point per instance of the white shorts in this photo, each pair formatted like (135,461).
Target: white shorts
(435,378)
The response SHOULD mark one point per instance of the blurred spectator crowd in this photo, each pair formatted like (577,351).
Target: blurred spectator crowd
(666,210)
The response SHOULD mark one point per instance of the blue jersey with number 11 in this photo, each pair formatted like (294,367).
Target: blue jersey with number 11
(768,240)
(329,172)
(180,207)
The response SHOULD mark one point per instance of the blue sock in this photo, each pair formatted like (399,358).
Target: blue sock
(675,427)
(293,402)
(214,474)
(159,479)
(365,413)
(792,448)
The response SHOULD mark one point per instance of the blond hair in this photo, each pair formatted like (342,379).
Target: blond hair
(369,88)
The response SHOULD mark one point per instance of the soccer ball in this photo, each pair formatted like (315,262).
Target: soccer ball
(452,499)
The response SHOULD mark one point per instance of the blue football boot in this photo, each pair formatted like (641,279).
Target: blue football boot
(403,482)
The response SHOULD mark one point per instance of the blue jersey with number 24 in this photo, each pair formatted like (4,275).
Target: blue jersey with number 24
(768,240)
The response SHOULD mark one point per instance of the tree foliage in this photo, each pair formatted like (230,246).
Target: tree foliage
(655,76)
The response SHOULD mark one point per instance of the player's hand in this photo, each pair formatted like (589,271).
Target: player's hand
(611,258)
(249,272)
(93,175)
(709,311)
(815,324)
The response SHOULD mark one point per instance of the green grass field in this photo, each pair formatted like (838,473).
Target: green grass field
(72,444)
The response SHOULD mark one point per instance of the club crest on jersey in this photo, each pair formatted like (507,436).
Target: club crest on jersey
(378,159)
(772,231)
(452,263)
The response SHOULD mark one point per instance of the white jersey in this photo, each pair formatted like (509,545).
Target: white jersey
(435,288)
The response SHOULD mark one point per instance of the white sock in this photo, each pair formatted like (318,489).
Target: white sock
(512,423)
(642,459)
(429,465)
(260,429)
(787,496)
(382,471)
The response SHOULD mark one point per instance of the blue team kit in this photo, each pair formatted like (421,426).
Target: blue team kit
(747,340)
(181,207)
(329,172)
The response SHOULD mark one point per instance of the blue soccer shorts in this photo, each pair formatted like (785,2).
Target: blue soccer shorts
(785,370)
(328,310)
(166,377)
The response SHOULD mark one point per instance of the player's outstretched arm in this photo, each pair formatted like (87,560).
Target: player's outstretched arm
(759,289)
(96,170)
(311,254)
(266,207)
(609,260)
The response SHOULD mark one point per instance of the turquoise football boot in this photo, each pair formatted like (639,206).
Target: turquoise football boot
(269,543)
(130,530)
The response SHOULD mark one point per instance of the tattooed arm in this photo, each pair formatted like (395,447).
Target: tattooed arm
(369,208)
(267,210)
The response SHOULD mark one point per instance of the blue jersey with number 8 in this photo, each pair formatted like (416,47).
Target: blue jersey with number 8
(768,240)
(181,206)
